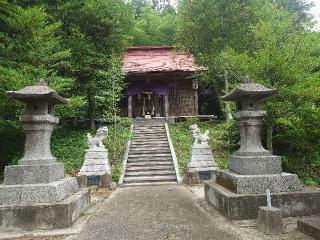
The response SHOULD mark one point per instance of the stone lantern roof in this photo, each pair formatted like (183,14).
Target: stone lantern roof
(38,92)
(249,89)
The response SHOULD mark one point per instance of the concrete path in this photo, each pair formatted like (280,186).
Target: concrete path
(158,212)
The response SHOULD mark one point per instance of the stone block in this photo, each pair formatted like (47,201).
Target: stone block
(198,177)
(270,220)
(255,184)
(44,216)
(103,180)
(202,158)
(38,193)
(33,174)
(255,165)
(246,206)
(94,154)
(310,226)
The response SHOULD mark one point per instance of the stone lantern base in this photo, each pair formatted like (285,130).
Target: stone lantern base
(239,197)
(35,197)
(44,216)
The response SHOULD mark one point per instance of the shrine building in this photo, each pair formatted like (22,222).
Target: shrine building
(160,83)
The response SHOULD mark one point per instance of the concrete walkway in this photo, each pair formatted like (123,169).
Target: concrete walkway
(158,212)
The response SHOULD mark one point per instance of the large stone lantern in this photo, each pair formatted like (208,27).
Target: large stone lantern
(251,158)
(239,191)
(38,180)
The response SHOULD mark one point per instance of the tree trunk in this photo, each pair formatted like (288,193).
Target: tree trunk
(269,132)
(226,89)
(91,110)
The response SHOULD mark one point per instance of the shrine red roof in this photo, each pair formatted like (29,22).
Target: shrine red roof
(158,59)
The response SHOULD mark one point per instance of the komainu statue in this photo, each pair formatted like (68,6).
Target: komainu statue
(97,140)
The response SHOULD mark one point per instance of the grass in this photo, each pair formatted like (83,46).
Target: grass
(224,140)
(68,145)
(119,135)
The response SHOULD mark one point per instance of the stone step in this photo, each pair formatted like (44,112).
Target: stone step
(149,148)
(149,178)
(151,173)
(148,142)
(150,168)
(160,156)
(137,160)
(310,226)
(141,184)
(138,155)
(150,130)
(149,154)
(154,138)
(150,163)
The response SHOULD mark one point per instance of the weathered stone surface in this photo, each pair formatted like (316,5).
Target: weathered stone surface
(198,177)
(255,165)
(96,161)
(310,226)
(33,174)
(201,158)
(270,220)
(37,193)
(256,184)
(14,218)
(246,206)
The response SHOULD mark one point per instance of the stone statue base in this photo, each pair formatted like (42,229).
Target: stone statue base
(96,168)
(236,206)
(202,166)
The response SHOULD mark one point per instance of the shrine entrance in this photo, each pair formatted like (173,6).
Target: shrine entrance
(148,100)
(148,104)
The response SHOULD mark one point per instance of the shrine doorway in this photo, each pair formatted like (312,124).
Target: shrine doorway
(148,104)
(148,100)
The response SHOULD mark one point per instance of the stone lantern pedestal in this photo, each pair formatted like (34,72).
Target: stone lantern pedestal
(240,191)
(35,194)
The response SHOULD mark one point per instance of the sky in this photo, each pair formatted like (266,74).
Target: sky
(316,12)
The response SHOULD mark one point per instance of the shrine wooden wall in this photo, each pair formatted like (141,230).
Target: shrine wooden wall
(182,97)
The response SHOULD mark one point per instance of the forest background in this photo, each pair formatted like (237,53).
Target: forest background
(78,45)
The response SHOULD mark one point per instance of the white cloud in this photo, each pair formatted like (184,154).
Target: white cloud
(315,11)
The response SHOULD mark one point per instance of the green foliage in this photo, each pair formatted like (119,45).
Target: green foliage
(119,135)
(271,42)
(68,146)
(224,140)
(76,45)
(154,24)
(11,142)
(29,49)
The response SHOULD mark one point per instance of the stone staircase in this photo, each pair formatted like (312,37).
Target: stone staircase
(149,160)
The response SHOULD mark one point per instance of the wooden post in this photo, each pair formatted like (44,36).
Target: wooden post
(166,107)
(196,101)
(130,106)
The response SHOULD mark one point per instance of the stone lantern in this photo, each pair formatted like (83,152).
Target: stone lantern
(38,179)
(251,158)
(239,191)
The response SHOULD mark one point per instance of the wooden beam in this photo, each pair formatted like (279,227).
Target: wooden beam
(130,106)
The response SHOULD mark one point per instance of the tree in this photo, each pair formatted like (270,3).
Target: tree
(29,49)
(94,31)
(152,28)
(268,42)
